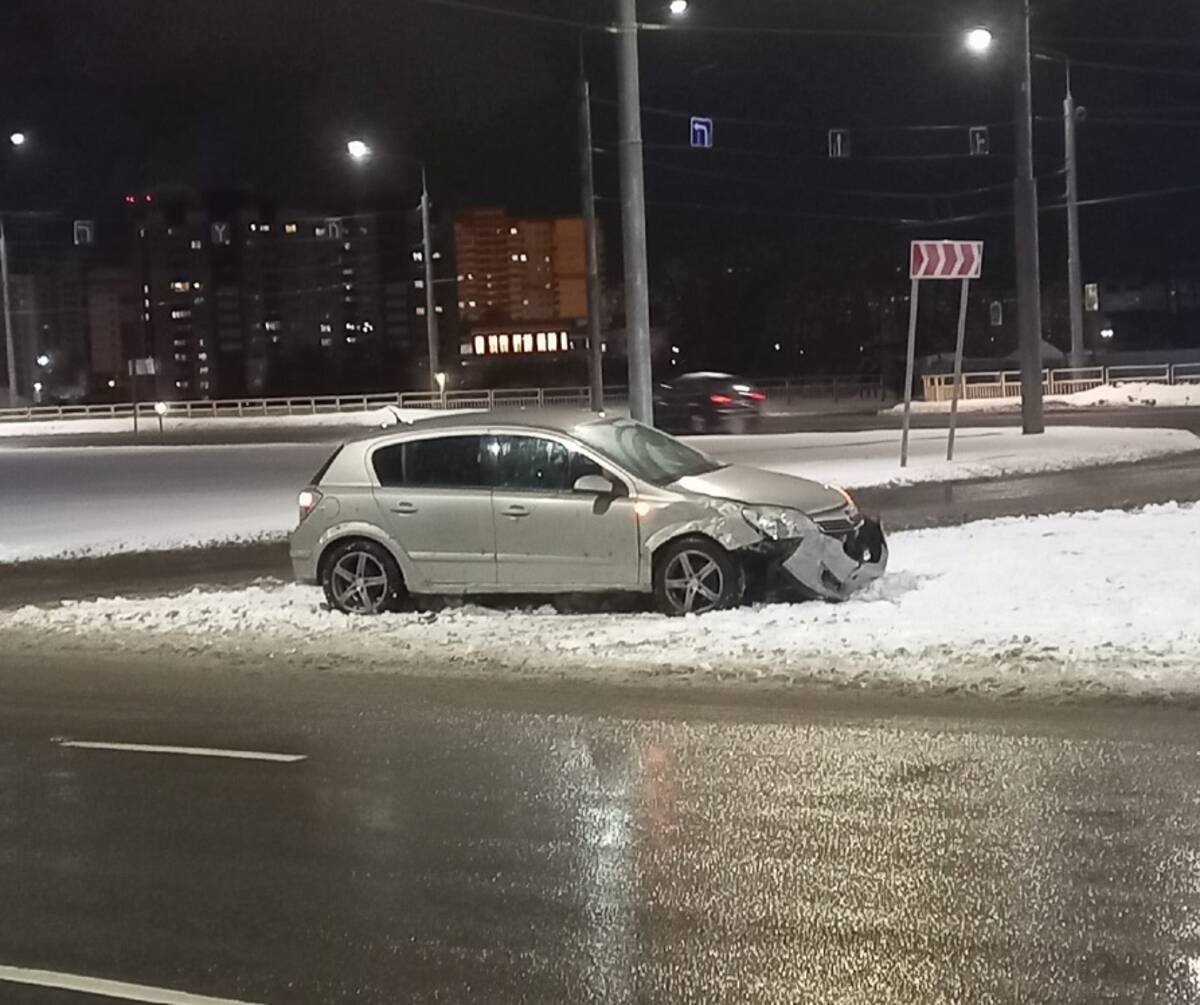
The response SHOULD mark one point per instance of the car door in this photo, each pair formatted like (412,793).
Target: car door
(548,535)
(435,501)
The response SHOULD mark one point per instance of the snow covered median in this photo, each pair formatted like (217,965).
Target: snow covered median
(1126,395)
(1091,603)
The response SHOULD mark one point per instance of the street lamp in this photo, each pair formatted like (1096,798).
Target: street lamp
(360,151)
(17,139)
(678,7)
(979,40)
(43,360)
(1025,204)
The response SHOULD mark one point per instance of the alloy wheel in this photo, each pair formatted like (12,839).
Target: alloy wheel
(694,582)
(360,583)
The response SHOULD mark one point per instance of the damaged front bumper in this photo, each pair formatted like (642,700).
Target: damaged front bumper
(833,568)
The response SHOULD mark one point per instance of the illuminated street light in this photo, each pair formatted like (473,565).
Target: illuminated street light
(979,40)
(17,139)
(43,360)
(360,150)
(678,7)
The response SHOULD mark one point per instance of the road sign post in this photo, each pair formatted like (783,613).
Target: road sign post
(961,260)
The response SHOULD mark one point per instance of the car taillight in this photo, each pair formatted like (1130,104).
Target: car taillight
(720,399)
(757,395)
(308,501)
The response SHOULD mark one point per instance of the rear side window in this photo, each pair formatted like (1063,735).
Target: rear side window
(316,479)
(447,461)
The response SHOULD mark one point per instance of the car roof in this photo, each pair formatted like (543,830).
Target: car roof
(705,375)
(545,420)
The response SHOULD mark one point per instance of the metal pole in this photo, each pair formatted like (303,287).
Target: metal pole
(431,325)
(958,365)
(633,216)
(1029,302)
(1074,266)
(10,345)
(595,342)
(908,369)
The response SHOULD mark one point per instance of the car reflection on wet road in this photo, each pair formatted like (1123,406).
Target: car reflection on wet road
(483,845)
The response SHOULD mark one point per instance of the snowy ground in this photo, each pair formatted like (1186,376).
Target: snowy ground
(59,502)
(148,425)
(1087,604)
(1134,395)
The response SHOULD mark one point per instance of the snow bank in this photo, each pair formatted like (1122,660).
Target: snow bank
(386,416)
(1092,603)
(1137,395)
(872,457)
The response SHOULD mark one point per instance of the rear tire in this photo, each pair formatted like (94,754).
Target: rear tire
(696,576)
(361,577)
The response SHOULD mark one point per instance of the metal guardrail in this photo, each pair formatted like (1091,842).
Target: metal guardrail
(789,388)
(1007,383)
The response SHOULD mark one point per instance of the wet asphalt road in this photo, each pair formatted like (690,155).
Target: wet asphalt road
(477,844)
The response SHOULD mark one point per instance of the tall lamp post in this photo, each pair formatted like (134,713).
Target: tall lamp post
(1025,204)
(360,152)
(17,140)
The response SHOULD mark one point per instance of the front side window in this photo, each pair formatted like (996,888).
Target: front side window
(645,452)
(534,463)
(440,462)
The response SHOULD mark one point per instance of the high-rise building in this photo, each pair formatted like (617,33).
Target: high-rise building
(113,324)
(522,289)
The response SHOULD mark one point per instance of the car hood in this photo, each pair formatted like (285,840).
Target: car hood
(764,488)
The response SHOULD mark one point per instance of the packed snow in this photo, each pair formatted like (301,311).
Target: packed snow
(1124,395)
(1084,604)
(148,425)
(59,502)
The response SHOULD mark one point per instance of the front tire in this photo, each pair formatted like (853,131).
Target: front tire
(696,576)
(361,577)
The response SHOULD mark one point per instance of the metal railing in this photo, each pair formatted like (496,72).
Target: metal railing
(1007,383)
(789,389)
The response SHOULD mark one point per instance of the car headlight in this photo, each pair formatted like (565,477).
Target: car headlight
(851,505)
(777,522)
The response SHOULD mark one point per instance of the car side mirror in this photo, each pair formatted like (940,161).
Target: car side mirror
(596,485)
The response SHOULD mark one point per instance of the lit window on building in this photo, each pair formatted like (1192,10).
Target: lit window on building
(419,284)
(318,231)
(516,257)
(290,228)
(272,326)
(504,343)
(461,305)
(420,312)
(466,349)
(439,309)
(418,257)
(541,341)
(513,231)
(265,228)
(203,370)
(180,315)
(437,255)
(197,244)
(528,339)
(524,257)
(493,343)
(181,357)
(253,228)
(326,342)
(552,342)
(180,286)
(326,326)
(480,345)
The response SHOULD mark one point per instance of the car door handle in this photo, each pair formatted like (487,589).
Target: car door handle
(516,512)
(405,508)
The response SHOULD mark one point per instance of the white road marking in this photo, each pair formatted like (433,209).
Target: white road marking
(151,748)
(109,989)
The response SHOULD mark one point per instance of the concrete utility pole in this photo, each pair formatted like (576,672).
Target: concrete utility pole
(431,325)
(633,216)
(10,346)
(1029,297)
(1074,267)
(595,338)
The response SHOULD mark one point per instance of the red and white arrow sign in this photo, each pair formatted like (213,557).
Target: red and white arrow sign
(946,260)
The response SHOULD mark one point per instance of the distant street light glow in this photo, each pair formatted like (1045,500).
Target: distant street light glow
(17,139)
(360,150)
(678,7)
(43,360)
(979,40)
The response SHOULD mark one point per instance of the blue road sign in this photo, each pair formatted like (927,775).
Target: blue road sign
(702,133)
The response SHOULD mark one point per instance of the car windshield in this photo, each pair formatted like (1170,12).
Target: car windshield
(645,452)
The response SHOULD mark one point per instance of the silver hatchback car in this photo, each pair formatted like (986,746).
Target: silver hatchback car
(474,504)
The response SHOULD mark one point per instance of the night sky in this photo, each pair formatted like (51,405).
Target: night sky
(127,94)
